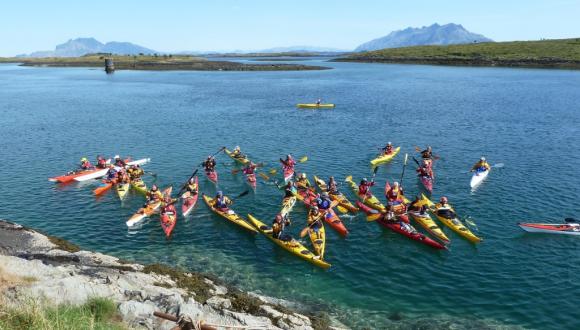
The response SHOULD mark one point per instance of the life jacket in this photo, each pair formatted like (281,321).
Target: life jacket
(323,204)
(86,165)
(315,218)
(168,209)
(102,163)
(363,189)
(191,187)
(221,202)
(249,170)
(388,150)
(289,192)
(395,194)
(154,195)
(111,173)
(119,162)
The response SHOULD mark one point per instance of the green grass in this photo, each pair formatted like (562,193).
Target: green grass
(549,53)
(97,314)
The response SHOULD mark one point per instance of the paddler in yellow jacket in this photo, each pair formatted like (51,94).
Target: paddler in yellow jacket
(481,166)
(135,172)
(191,187)
(280,222)
(237,153)
(154,195)
(302,182)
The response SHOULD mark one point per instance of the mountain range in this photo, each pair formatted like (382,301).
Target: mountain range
(448,34)
(83,46)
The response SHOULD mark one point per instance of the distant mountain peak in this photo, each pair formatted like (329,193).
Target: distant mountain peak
(82,46)
(435,34)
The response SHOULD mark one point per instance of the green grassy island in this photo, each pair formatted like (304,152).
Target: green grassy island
(561,53)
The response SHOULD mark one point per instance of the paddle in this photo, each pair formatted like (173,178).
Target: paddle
(152,174)
(436,157)
(498,165)
(305,230)
(303,159)
(403,172)
(217,152)
(185,184)
(240,195)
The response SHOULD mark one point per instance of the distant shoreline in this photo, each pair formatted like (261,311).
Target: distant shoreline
(157,63)
(554,54)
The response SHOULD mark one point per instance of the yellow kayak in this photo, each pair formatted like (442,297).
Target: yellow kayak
(229,215)
(449,218)
(139,186)
(287,205)
(385,158)
(122,189)
(243,161)
(315,106)
(430,226)
(370,201)
(291,245)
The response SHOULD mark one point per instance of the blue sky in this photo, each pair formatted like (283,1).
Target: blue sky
(174,25)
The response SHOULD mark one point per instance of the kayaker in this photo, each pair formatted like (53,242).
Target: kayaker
(168,206)
(444,209)
(319,101)
(364,188)
(388,149)
(119,162)
(289,162)
(111,173)
(302,182)
(154,195)
(250,169)
(424,170)
(122,176)
(221,202)
(290,189)
(237,153)
(192,187)
(427,153)
(315,218)
(209,164)
(85,164)
(481,166)
(417,206)
(332,186)
(135,172)
(323,201)
(101,162)
(280,222)
(395,195)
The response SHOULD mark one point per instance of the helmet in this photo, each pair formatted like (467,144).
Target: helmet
(364,180)
(220,193)
(389,143)
(303,175)
(154,187)
(84,159)
(209,157)
(314,209)
(429,148)
(288,156)
(279,216)
(331,178)
(191,180)
(324,194)
(99,157)
(482,159)
(443,200)
(395,184)
(237,148)
(117,156)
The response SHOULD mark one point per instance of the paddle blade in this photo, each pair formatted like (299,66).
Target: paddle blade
(499,165)
(375,170)
(303,159)
(417,149)
(273,171)
(264,176)
(243,194)
(348,178)
(374,217)
(406,158)
(341,209)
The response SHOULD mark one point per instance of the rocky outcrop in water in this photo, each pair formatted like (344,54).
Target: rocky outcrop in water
(58,272)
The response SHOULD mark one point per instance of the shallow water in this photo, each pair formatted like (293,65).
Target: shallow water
(527,119)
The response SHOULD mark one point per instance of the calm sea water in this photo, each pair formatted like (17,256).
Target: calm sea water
(527,119)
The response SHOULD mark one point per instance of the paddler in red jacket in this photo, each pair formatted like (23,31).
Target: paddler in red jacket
(395,195)
(364,187)
(85,164)
(101,162)
(388,149)
(289,162)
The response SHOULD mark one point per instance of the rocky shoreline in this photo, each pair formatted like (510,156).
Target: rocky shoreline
(52,271)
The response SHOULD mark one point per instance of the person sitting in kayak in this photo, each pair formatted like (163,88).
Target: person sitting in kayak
(250,169)
(101,162)
(122,176)
(237,153)
(154,195)
(288,163)
(427,153)
(191,187)
(111,173)
(221,202)
(168,206)
(444,209)
(135,172)
(209,164)
(332,187)
(364,188)
(302,182)
(315,220)
(278,225)
(323,201)
(424,170)
(119,162)
(85,164)
(395,195)
(319,101)
(290,189)
(417,206)
(481,166)
(388,149)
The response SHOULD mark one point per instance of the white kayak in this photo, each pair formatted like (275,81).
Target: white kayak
(550,228)
(478,177)
(103,172)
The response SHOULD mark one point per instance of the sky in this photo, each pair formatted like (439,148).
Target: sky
(225,25)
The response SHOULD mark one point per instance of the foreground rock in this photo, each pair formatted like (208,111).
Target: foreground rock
(57,272)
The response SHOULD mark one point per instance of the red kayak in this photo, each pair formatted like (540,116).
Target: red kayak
(189,201)
(168,219)
(212,176)
(72,175)
(403,228)
(251,178)
(288,173)
(427,182)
